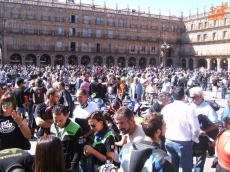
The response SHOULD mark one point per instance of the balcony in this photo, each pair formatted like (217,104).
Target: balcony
(133,25)
(59,19)
(16,15)
(45,18)
(143,26)
(109,23)
(98,22)
(31,17)
(122,25)
(85,21)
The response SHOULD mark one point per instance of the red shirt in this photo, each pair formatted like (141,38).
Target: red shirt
(223,156)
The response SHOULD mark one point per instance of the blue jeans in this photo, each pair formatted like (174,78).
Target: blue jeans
(223,92)
(21,110)
(181,153)
(200,160)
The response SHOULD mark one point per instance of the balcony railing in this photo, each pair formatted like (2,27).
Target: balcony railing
(79,49)
(109,23)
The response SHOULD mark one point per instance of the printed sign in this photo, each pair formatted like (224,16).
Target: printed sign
(218,12)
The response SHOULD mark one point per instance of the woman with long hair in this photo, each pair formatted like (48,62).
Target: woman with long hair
(102,147)
(49,155)
(13,126)
(223,147)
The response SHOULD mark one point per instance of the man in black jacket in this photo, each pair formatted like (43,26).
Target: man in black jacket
(146,154)
(70,134)
(95,87)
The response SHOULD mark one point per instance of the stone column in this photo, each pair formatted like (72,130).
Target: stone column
(126,61)
(218,64)
(104,61)
(52,60)
(66,59)
(208,63)
(92,60)
(147,61)
(115,61)
(187,63)
(23,58)
(195,63)
(228,59)
(137,62)
(79,60)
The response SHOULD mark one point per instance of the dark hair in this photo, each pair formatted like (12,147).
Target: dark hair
(99,117)
(38,82)
(51,92)
(8,97)
(49,155)
(124,112)
(20,81)
(163,95)
(151,123)
(178,93)
(62,84)
(58,109)
(84,92)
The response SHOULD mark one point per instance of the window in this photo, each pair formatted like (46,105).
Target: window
(98,33)
(200,25)
(110,34)
(205,37)
(59,44)
(15,42)
(72,46)
(59,30)
(31,43)
(85,46)
(192,26)
(214,36)
(165,27)
(198,38)
(98,47)
(85,33)
(132,49)
(224,34)
(73,19)
(86,20)
(225,21)
(121,23)
(215,23)
(142,48)
(153,48)
(72,31)
(110,22)
(99,21)
(206,24)
(59,17)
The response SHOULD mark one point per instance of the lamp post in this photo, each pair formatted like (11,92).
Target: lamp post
(165,48)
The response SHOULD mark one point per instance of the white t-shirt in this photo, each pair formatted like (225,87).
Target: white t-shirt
(137,135)
(81,113)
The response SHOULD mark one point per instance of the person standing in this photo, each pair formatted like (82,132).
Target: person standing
(136,89)
(20,97)
(70,134)
(203,108)
(148,148)
(182,131)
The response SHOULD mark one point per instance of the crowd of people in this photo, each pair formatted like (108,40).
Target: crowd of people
(39,102)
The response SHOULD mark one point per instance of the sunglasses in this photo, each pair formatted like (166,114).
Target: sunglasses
(7,103)
(92,125)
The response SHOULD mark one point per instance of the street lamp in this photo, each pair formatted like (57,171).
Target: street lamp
(165,48)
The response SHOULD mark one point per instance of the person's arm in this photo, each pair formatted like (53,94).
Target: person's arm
(122,141)
(194,125)
(78,149)
(43,123)
(109,144)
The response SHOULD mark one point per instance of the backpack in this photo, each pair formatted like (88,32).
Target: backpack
(38,95)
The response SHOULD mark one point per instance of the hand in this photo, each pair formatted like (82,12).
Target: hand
(17,117)
(202,133)
(88,150)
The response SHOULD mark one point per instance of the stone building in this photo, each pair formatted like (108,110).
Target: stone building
(47,32)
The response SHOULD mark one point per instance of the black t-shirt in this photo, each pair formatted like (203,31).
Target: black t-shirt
(156,107)
(44,112)
(15,158)
(10,134)
(19,96)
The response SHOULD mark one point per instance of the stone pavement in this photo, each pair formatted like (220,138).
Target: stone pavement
(208,96)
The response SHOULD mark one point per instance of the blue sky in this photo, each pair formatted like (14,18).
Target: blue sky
(176,6)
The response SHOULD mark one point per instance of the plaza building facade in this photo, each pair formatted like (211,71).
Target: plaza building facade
(47,32)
